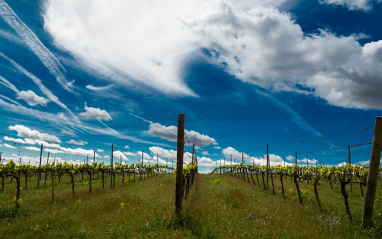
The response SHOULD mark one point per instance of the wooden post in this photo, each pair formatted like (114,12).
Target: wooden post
(111,166)
(267,164)
(39,169)
(179,165)
(242,161)
(351,185)
(307,163)
(193,153)
(47,160)
(140,173)
(0,156)
(372,177)
(296,158)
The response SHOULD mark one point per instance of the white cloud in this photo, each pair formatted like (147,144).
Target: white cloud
(365,5)
(33,148)
(25,132)
(78,142)
(8,84)
(273,160)
(171,132)
(119,155)
(79,151)
(145,155)
(99,88)
(31,98)
(100,150)
(40,85)
(130,153)
(227,152)
(20,141)
(164,153)
(64,131)
(96,113)
(217,147)
(53,151)
(35,45)
(127,147)
(256,44)
(290,158)
(9,146)
(205,153)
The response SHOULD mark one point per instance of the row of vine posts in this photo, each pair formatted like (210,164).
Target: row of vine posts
(367,178)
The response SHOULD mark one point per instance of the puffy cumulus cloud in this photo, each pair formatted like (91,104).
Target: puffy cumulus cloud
(205,153)
(31,98)
(172,154)
(227,152)
(273,160)
(78,142)
(53,151)
(131,154)
(164,153)
(100,150)
(64,131)
(119,155)
(171,132)
(33,148)
(20,141)
(32,141)
(265,47)
(145,155)
(205,161)
(80,151)
(96,113)
(8,146)
(127,147)
(25,132)
(253,41)
(310,161)
(217,147)
(290,158)
(365,5)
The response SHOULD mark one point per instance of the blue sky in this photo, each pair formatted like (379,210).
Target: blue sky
(79,76)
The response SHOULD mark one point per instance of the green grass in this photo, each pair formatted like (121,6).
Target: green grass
(219,206)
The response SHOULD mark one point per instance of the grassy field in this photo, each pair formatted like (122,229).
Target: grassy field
(219,206)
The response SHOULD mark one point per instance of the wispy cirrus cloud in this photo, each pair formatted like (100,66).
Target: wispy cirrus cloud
(35,45)
(364,5)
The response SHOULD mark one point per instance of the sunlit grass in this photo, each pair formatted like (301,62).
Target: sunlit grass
(218,206)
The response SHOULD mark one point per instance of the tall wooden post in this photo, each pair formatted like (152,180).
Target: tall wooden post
(111,166)
(267,164)
(242,161)
(39,169)
(193,153)
(140,174)
(0,156)
(47,160)
(351,185)
(93,156)
(296,158)
(307,162)
(179,165)
(372,177)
